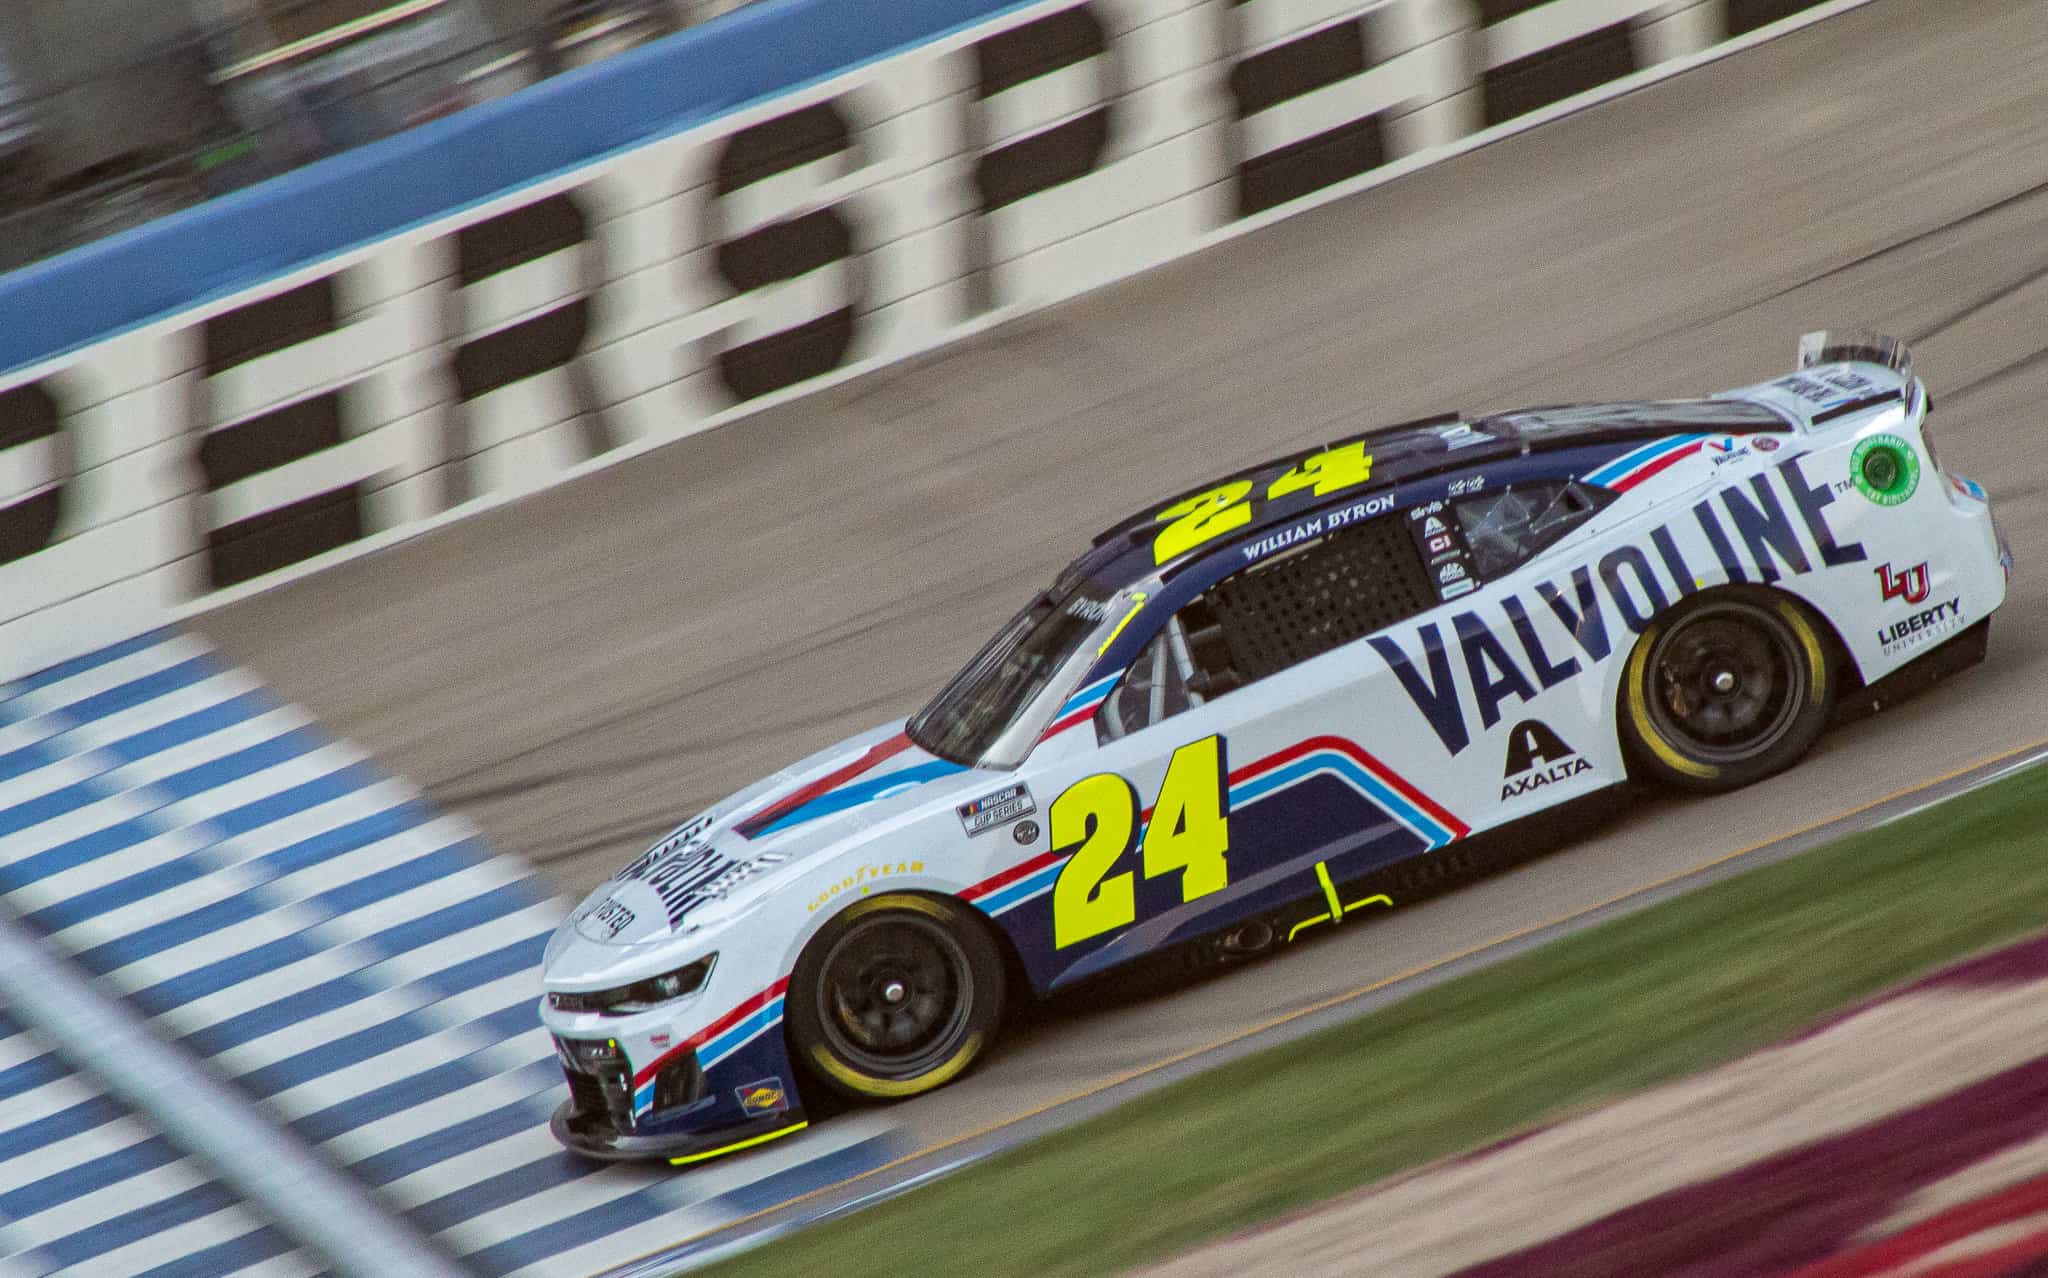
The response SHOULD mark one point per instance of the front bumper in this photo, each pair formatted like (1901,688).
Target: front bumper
(603,1140)
(633,1095)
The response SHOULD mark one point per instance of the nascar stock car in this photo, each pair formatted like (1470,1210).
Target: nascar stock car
(1227,720)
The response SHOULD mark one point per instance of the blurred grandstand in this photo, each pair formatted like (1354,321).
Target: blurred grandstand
(114,112)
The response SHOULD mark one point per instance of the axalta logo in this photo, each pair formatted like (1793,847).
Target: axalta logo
(1537,757)
(1910,585)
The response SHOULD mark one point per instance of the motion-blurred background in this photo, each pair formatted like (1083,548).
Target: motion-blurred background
(113,112)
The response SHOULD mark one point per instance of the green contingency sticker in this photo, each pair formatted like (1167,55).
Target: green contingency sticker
(1885,469)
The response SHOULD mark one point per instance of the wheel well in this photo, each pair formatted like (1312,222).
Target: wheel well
(1838,649)
(1841,663)
(1016,980)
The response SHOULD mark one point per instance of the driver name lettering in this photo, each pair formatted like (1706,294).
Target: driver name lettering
(1284,538)
(1316,526)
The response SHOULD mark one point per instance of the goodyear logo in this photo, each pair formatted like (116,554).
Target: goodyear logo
(863,877)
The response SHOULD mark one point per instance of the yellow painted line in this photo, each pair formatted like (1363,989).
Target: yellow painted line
(737,1146)
(1337,1000)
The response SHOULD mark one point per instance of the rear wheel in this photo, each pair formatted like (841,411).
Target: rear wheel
(897,996)
(1726,689)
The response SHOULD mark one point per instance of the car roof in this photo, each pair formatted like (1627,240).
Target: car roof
(1124,554)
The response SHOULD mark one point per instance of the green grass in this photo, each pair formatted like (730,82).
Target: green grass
(1641,999)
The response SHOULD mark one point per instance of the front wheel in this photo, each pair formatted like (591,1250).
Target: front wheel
(1726,689)
(896,996)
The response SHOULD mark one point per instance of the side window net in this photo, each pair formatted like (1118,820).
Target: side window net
(1312,599)
(1309,600)
(1505,528)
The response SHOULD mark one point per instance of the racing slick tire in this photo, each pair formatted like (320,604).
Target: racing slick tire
(1726,689)
(898,995)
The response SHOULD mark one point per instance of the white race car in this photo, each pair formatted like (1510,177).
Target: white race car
(1247,713)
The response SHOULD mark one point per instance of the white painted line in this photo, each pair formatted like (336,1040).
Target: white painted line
(106,1040)
(93,818)
(94,1142)
(530,1145)
(150,1251)
(100,871)
(349,867)
(183,960)
(56,775)
(171,706)
(638,1240)
(76,1215)
(295,1264)
(442,1115)
(158,907)
(266,784)
(235,737)
(437,956)
(563,1202)
(313,1032)
(176,649)
(23,1108)
(320,819)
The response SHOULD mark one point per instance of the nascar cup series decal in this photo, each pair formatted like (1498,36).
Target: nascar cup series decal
(1001,808)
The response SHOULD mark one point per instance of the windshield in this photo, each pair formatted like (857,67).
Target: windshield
(964,722)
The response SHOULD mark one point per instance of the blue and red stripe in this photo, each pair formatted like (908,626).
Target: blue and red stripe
(834,792)
(720,1038)
(1645,463)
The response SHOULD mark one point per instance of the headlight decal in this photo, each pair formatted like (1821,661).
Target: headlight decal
(639,996)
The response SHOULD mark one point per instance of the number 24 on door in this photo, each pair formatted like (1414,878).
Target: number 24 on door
(1098,817)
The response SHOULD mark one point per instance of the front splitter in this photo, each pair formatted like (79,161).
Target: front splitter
(607,1144)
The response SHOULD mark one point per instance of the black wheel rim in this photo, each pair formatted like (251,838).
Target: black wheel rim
(1726,682)
(895,995)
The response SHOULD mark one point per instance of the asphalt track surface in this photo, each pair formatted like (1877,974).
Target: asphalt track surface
(583,670)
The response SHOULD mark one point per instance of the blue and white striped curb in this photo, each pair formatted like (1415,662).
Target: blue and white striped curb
(86,1187)
(360,965)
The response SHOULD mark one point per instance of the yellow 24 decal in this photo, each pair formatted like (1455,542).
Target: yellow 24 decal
(1098,817)
(1207,516)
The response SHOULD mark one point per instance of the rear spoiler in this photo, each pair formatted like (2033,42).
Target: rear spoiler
(1864,348)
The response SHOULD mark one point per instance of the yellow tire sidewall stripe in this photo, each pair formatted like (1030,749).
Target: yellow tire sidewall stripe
(1639,712)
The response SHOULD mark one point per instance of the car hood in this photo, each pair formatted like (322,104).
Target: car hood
(720,862)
